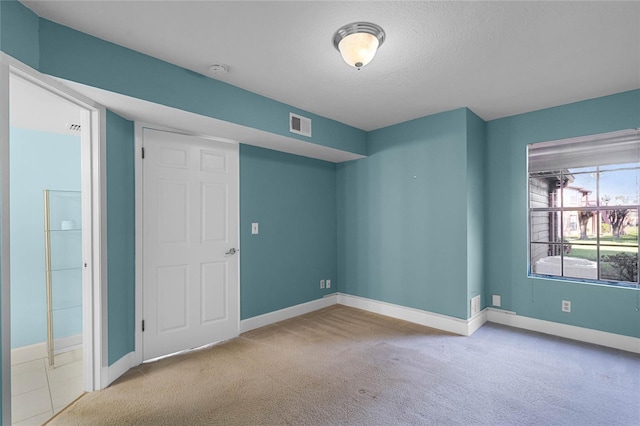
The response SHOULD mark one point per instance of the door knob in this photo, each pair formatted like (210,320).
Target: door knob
(231,251)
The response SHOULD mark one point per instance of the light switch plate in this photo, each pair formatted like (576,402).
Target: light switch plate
(254,228)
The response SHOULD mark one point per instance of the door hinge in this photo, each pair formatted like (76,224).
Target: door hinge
(143,152)
(142,325)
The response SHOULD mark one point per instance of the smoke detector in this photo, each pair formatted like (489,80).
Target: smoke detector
(218,69)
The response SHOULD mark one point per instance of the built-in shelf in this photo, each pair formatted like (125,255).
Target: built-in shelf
(63,257)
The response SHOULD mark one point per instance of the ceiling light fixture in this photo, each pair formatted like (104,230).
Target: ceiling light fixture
(358,42)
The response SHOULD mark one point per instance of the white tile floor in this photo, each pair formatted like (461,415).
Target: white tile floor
(38,392)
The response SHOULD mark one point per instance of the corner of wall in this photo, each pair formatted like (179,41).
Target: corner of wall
(120,236)
(476,144)
(116,369)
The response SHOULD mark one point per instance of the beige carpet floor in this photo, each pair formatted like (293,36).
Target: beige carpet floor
(341,365)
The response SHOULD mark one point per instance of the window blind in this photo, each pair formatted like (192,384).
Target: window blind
(620,147)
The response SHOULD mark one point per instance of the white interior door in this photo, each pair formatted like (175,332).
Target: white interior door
(190,241)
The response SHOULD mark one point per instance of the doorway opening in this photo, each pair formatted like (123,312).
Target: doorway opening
(51,245)
(46,252)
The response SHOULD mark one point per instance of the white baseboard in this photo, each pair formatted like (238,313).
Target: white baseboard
(603,338)
(39,350)
(476,321)
(28,353)
(117,369)
(66,344)
(429,319)
(286,313)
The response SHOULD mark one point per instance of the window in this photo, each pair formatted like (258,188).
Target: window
(573,222)
(584,207)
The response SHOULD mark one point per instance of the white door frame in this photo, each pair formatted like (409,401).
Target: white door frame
(139,126)
(93,170)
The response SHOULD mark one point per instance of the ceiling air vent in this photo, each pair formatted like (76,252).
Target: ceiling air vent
(300,125)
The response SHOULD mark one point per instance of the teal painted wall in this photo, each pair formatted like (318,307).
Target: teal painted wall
(66,53)
(19,29)
(408,241)
(476,146)
(402,216)
(79,57)
(294,201)
(598,307)
(39,161)
(120,236)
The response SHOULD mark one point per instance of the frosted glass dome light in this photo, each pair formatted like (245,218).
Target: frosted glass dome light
(358,42)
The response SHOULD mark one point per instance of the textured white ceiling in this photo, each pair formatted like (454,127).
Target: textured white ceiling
(497,58)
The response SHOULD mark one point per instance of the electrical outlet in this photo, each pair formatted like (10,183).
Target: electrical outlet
(566,306)
(321,283)
(328,283)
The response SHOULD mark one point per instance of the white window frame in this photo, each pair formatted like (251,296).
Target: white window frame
(622,144)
